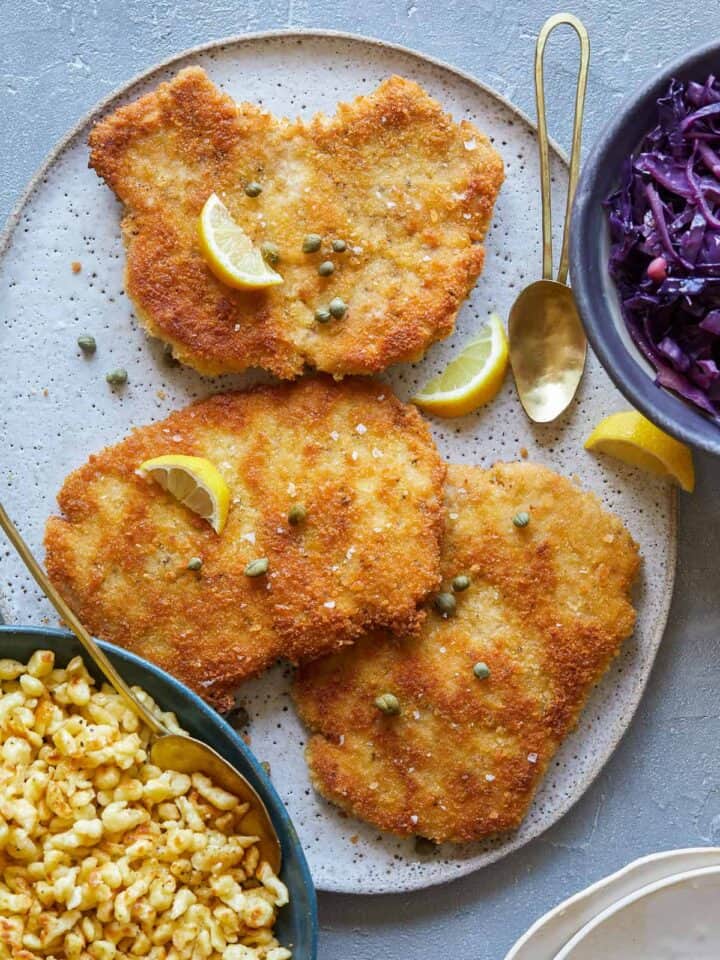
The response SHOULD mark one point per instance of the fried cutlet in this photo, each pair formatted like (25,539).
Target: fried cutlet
(546,611)
(367,472)
(409,191)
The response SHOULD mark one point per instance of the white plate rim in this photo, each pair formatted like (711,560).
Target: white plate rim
(605,884)
(624,902)
(666,592)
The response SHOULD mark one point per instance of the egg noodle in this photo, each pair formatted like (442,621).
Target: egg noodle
(105,856)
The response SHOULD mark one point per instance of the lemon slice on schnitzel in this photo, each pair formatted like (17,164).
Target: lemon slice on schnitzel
(629,437)
(195,482)
(229,252)
(472,378)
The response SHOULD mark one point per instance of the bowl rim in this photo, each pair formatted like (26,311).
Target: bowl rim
(606,886)
(624,902)
(666,409)
(276,807)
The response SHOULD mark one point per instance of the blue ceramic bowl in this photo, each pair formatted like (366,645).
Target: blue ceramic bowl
(594,289)
(297,922)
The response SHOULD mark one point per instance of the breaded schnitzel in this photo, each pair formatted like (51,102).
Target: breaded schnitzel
(545,613)
(361,463)
(408,191)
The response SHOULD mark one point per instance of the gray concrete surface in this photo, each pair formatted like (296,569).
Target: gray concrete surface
(662,788)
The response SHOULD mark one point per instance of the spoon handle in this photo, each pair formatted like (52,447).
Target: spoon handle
(547,28)
(91,648)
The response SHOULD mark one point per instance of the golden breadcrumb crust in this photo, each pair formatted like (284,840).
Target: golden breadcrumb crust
(365,468)
(547,610)
(410,191)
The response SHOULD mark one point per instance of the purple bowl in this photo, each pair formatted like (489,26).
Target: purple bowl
(592,284)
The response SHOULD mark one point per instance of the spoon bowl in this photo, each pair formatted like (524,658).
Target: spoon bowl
(547,348)
(187,755)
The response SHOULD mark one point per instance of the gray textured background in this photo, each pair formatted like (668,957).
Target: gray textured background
(662,789)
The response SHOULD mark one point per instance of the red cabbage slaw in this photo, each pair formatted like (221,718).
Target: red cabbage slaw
(665,243)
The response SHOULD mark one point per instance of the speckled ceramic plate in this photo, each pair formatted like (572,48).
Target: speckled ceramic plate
(55,409)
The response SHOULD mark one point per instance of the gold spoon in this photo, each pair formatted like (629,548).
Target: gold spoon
(547,342)
(169,751)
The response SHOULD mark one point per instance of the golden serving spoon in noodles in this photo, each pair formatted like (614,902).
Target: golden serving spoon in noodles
(547,342)
(169,751)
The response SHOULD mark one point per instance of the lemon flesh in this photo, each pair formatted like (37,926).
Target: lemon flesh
(634,440)
(229,252)
(472,378)
(195,482)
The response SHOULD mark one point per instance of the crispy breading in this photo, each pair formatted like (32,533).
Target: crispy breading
(410,191)
(547,610)
(365,468)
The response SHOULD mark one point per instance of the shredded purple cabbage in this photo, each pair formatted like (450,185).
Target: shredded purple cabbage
(665,234)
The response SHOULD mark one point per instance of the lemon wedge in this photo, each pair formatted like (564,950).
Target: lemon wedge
(195,482)
(229,251)
(472,378)
(629,437)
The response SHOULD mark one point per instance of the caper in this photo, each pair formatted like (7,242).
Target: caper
(445,603)
(337,307)
(322,315)
(311,243)
(116,377)
(270,252)
(253,189)
(460,583)
(326,268)
(297,514)
(195,563)
(388,704)
(87,343)
(481,670)
(339,246)
(256,568)
(521,518)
